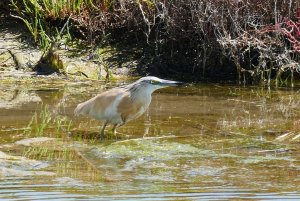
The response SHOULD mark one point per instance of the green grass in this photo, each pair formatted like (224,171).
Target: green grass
(45,124)
(38,14)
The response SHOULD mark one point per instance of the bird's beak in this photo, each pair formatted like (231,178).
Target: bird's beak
(167,83)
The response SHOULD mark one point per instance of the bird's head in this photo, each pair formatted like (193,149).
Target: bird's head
(152,83)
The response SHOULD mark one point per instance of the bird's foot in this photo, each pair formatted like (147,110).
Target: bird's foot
(116,135)
(100,136)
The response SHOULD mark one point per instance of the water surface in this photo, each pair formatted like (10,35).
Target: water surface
(200,142)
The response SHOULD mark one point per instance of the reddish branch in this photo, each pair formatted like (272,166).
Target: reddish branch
(292,33)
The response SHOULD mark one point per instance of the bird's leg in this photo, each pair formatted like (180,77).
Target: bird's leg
(102,130)
(114,129)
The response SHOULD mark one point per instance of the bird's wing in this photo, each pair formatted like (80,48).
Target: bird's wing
(96,106)
(128,108)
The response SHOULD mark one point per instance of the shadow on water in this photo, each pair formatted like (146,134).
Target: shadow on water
(207,142)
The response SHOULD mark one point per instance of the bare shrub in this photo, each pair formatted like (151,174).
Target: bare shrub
(257,40)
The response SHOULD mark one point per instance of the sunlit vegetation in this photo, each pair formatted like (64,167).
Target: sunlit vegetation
(45,121)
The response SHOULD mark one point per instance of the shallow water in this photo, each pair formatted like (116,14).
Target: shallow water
(200,142)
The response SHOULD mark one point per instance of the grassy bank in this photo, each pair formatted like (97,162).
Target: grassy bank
(253,42)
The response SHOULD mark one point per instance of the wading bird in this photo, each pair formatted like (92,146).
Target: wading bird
(119,105)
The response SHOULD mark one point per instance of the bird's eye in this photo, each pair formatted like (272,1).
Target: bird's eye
(154,82)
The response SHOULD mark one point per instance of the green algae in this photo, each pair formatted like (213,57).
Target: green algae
(149,149)
(266,159)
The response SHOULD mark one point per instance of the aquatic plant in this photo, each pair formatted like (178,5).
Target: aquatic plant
(38,123)
(43,121)
(104,64)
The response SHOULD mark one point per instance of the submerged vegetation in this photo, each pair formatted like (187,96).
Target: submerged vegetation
(248,41)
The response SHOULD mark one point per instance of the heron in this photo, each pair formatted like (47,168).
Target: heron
(122,104)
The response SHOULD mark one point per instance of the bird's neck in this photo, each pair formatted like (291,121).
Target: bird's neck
(141,94)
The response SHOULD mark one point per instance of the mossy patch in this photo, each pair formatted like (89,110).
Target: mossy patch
(149,149)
